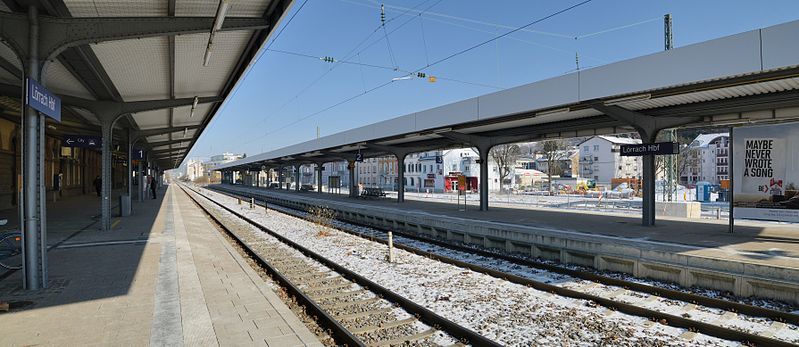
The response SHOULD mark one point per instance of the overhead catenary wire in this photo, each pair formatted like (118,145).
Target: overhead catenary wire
(347,56)
(388,68)
(439,61)
(247,71)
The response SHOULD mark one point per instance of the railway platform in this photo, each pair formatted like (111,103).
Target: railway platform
(759,259)
(163,276)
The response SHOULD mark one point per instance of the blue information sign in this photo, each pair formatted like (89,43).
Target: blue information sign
(137,154)
(82,141)
(42,100)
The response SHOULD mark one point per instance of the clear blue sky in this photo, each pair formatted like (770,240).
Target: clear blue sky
(268,110)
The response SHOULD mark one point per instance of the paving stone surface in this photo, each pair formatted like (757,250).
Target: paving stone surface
(163,276)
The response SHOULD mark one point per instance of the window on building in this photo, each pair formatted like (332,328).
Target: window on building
(596,147)
(586,148)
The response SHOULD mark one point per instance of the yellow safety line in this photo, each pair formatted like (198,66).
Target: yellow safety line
(114,224)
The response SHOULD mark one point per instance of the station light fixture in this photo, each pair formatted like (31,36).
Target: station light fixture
(631,98)
(442,130)
(185,130)
(194,106)
(552,112)
(407,77)
(221,10)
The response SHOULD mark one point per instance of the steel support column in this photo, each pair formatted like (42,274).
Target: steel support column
(483,153)
(105,177)
(141,180)
(129,168)
(484,145)
(648,127)
(33,208)
(297,177)
(319,171)
(648,211)
(353,182)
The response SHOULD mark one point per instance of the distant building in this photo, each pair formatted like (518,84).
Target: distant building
(568,162)
(194,169)
(706,159)
(600,159)
(217,160)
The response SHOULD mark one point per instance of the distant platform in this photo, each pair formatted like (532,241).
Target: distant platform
(163,276)
(760,258)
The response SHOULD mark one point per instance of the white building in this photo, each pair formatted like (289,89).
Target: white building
(194,169)
(600,159)
(706,159)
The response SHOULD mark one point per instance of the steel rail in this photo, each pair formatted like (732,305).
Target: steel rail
(338,331)
(678,321)
(425,315)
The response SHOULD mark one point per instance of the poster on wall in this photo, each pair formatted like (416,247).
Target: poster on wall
(766,172)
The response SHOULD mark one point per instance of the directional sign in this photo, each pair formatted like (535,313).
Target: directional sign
(439,160)
(82,141)
(137,154)
(42,100)
(659,148)
(358,157)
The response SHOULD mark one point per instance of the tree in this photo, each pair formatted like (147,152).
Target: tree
(505,156)
(554,151)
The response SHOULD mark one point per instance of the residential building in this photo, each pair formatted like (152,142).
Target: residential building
(706,159)
(600,160)
(568,162)
(194,169)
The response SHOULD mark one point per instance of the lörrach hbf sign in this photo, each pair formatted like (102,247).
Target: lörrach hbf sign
(42,100)
(658,148)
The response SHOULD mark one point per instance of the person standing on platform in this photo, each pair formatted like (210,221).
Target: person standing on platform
(98,185)
(151,181)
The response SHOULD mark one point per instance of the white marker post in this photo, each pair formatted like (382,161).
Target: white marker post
(390,247)
(252,203)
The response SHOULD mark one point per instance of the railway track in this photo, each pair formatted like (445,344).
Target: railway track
(357,311)
(693,302)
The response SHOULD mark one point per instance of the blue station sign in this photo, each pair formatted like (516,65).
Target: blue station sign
(82,141)
(658,148)
(42,100)
(137,154)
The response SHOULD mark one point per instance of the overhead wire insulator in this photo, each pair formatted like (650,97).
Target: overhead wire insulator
(421,74)
(382,14)
(328,59)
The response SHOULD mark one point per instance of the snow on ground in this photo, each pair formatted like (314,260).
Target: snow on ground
(508,313)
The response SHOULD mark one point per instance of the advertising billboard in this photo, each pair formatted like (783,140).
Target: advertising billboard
(766,172)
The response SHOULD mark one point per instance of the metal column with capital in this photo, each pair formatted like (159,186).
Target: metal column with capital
(297,177)
(33,207)
(483,153)
(648,127)
(141,180)
(484,145)
(319,169)
(353,182)
(129,167)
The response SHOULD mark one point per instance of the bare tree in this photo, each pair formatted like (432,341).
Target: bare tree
(505,156)
(554,151)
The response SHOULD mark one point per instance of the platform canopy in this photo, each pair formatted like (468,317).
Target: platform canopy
(153,67)
(744,78)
